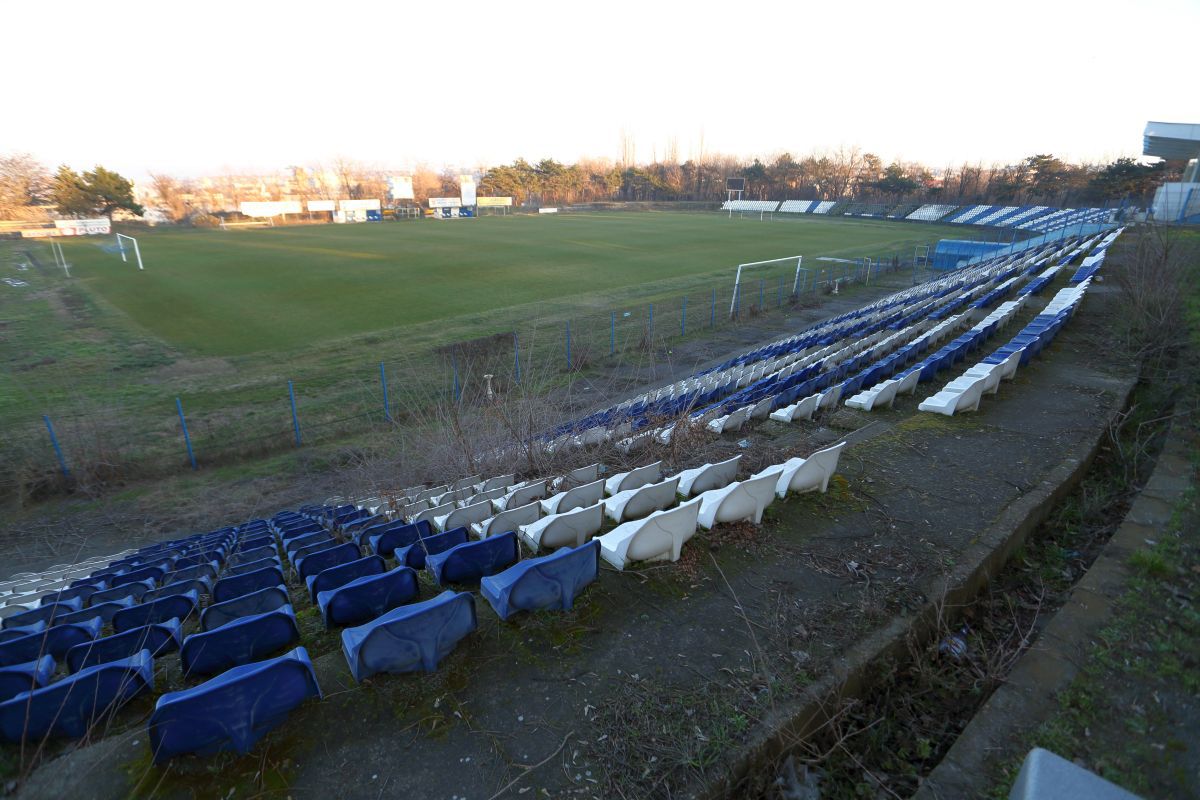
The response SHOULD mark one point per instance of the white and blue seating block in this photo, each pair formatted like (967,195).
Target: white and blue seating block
(313,563)
(549,582)
(366,598)
(164,608)
(414,555)
(55,640)
(71,706)
(411,638)
(233,710)
(341,574)
(256,602)
(467,563)
(229,588)
(385,543)
(239,642)
(18,678)
(159,639)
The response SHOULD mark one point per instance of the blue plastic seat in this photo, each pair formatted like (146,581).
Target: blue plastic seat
(414,555)
(134,590)
(342,574)
(160,610)
(233,710)
(386,542)
(82,592)
(251,556)
(295,555)
(229,588)
(47,613)
(314,563)
(154,573)
(245,605)
(258,542)
(368,597)
(467,563)
(204,569)
(298,542)
(410,638)
(241,568)
(159,639)
(25,677)
(70,707)
(55,641)
(239,642)
(105,611)
(202,586)
(8,634)
(551,582)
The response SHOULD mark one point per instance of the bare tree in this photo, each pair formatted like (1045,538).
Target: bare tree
(23,186)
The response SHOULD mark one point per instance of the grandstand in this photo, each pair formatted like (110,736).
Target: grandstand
(931,212)
(796,206)
(757,206)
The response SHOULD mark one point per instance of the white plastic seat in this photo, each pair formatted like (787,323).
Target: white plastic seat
(521,495)
(881,394)
(805,474)
(830,397)
(498,482)
(569,529)
(762,408)
(989,372)
(429,494)
(951,402)
(481,497)
(658,537)
(730,422)
(651,473)
(464,517)
(637,503)
(466,483)
(508,520)
(710,476)
(801,410)
(742,500)
(433,513)
(908,384)
(1008,367)
(578,477)
(586,495)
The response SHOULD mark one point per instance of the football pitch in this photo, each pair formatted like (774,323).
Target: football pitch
(230,293)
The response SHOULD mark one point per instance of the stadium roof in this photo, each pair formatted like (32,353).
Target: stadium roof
(1171,140)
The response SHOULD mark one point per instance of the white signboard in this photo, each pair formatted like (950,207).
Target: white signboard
(547,210)
(322,205)
(269,208)
(489,202)
(466,188)
(359,205)
(444,202)
(400,187)
(83,227)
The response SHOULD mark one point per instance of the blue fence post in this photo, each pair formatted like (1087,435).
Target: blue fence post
(712,314)
(516,358)
(387,407)
(780,291)
(651,325)
(762,286)
(457,385)
(612,334)
(295,417)
(737,300)
(683,319)
(187,440)
(568,344)
(62,462)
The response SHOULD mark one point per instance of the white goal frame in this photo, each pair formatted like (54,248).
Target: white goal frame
(137,251)
(737,280)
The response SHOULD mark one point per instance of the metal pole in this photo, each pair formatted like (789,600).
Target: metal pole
(762,287)
(387,408)
(62,462)
(187,440)
(683,318)
(121,247)
(737,282)
(295,417)
(137,251)
(568,344)
(612,334)
(651,325)
(457,386)
(796,282)
(712,319)
(517,358)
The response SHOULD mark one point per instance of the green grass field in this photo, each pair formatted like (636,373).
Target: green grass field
(227,293)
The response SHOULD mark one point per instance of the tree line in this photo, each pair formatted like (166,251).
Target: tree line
(29,191)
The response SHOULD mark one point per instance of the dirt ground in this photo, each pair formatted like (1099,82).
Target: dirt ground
(650,685)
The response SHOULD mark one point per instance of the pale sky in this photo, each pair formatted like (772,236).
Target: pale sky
(201,88)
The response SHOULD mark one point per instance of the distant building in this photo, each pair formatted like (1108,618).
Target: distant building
(1177,202)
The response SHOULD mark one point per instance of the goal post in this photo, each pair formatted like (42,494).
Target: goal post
(737,281)
(136,250)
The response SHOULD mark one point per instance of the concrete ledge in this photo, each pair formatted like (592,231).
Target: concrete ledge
(1029,695)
